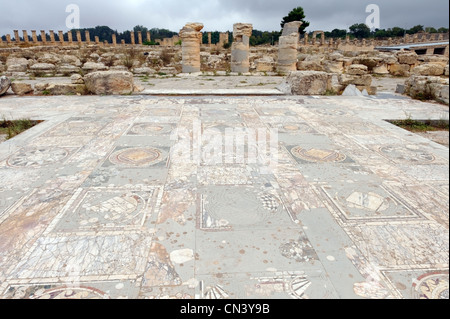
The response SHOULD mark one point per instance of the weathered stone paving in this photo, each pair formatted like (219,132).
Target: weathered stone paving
(95,203)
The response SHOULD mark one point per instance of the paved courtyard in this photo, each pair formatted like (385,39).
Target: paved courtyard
(130,197)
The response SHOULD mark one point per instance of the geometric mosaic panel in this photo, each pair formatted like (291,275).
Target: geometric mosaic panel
(363,202)
(105,209)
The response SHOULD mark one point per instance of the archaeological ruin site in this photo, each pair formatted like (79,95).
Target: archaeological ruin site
(201,170)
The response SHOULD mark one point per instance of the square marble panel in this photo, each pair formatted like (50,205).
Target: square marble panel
(254,250)
(232,207)
(102,209)
(367,201)
(40,157)
(99,256)
(78,126)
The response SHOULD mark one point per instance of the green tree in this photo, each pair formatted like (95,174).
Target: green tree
(415,29)
(397,32)
(431,30)
(360,30)
(296,14)
(337,33)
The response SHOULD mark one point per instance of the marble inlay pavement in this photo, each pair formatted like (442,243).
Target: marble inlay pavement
(96,202)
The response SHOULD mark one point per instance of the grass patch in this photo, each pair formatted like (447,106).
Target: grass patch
(14,128)
(330,92)
(422,125)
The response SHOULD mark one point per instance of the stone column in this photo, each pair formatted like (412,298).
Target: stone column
(87,36)
(441,37)
(306,39)
(288,46)
(34,36)
(61,37)
(240,49)
(149,38)
(43,37)
(331,42)
(314,37)
(1,41)
(16,36)
(8,39)
(223,38)
(25,36)
(209,38)
(191,38)
(114,39)
(52,37)
(123,41)
(133,40)
(97,40)
(70,36)
(347,39)
(79,37)
(322,38)
(139,33)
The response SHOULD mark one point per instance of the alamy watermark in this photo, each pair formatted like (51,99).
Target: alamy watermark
(73,19)
(373,19)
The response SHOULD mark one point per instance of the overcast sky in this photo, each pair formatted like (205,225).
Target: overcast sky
(217,15)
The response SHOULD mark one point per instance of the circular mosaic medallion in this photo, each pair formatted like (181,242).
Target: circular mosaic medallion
(431,286)
(149,129)
(136,157)
(317,155)
(331,112)
(37,157)
(408,153)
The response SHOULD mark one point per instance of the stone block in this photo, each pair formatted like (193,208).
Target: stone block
(20,88)
(43,69)
(406,57)
(381,69)
(310,66)
(431,69)
(357,69)
(109,82)
(309,82)
(399,70)
(5,84)
(94,67)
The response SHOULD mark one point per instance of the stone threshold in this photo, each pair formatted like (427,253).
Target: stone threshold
(221,92)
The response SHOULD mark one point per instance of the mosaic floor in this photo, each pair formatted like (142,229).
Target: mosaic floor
(97,202)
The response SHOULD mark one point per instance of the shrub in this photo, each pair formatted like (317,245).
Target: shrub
(166,57)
